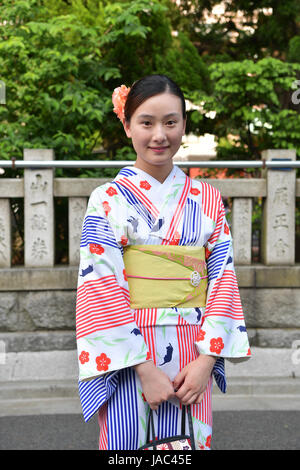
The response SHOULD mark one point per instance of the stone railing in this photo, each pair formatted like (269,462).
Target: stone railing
(38,299)
(279,189)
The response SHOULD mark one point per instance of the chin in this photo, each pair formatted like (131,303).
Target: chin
(161,163)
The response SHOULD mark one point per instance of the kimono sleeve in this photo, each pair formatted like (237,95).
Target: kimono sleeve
(105,323)
(223,332)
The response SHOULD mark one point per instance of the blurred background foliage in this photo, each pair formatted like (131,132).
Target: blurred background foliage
(61,59)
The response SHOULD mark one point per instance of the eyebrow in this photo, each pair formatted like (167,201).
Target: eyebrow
(150,116)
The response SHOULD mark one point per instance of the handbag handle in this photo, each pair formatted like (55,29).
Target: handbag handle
(191,429)
(183,414)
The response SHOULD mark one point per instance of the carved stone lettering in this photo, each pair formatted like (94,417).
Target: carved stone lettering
(280,221)
(242,226)
(38,184)
(281,196)
(38,222)
(39,211)
(77,209)
(281,247)
(3,246)
(5,233)
(39,248)
(278,225)
(242,255)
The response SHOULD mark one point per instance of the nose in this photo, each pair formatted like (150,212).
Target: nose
(159,135)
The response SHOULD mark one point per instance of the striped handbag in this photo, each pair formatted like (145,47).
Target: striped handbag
(178,442)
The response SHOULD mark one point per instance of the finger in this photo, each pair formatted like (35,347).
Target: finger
(188,396)
(154,407)
(181,392)
(195,399)
(189,400)
(179,379)
(171,395)
(199,398)
(171,388)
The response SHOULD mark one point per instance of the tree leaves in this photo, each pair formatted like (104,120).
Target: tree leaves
(61,61)
(247,100)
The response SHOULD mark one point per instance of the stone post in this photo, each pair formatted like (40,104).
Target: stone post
(278,224)
(242,230)
(77,209)
(5,233)
(38,211)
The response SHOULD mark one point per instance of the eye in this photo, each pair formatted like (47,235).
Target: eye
(171,123)
(146,123)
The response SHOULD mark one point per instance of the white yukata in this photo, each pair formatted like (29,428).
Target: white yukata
(136,209)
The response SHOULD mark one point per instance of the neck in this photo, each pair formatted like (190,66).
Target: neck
(160,173)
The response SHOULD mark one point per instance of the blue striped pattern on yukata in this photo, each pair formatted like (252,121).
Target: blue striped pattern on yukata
(219,374)
(136,203)
(123,425)
(214,266)
(122,413)
(127,172)
(216,260)
(167,420)
(97,230)
(94,393)
(191,223)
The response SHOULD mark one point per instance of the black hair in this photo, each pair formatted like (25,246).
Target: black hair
(147,87)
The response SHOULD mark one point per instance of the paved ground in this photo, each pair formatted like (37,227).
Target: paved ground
(243,429)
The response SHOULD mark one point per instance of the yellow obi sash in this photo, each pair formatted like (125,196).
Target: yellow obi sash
(166,276)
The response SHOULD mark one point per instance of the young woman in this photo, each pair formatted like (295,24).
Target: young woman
(158,305)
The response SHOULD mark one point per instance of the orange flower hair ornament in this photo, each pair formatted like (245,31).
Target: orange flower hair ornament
(119,98)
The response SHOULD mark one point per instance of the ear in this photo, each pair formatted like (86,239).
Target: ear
(126,126)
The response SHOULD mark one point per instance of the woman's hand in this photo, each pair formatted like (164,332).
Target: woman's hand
(190,383)
(156,385)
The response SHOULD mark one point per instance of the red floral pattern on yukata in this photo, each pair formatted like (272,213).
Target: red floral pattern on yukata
(208,441)
(102,362)
(145,185)
(195,191)
(106,207)
(201,335)
(176,239)
(97,249)
(124,240)
(84,357)
(111,191)
(207,253)
(216,345)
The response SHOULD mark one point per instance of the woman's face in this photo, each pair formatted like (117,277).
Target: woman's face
(156,129)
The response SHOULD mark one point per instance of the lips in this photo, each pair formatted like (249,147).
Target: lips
(158,149)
